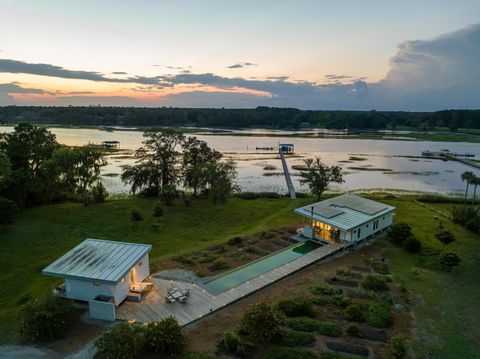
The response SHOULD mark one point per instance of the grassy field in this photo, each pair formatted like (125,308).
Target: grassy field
(445,305)
(42,234)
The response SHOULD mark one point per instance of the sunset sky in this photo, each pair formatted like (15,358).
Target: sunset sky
(395,55)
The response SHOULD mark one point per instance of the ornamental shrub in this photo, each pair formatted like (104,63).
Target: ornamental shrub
(374,282)
(412,244)
(233,343)
(296,307)
(378,315)
(398,346)
(262,322)
(296,338)
(444,236)
(122,341)
(448,260)
(165,337)
(399,232)
(47,319)
(354,313)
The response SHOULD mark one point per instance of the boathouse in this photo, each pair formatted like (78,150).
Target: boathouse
(348,219)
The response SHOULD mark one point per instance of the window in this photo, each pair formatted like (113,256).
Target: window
(123,280)
(358,234)
(140,263)
(96,283)
(367,225)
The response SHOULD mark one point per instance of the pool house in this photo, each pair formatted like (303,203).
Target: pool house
(346,219)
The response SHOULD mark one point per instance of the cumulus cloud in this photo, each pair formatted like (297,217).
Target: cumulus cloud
(434,74)
(240,65)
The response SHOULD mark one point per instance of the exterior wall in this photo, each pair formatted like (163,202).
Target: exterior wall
(141,269)
(101,310)
(367,230)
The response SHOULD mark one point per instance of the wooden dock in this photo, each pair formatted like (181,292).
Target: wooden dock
(291,189)
(200,302)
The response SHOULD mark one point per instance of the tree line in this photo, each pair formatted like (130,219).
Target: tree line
(271,117)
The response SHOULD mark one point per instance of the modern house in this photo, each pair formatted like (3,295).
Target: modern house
(286,147)
(102,269)
(348,218)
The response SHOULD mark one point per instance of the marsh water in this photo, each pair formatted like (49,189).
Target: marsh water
(368,164)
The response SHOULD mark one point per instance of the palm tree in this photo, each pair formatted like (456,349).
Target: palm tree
(475,181)
(467,176)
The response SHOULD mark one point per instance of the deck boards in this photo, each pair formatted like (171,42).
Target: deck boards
(201,302)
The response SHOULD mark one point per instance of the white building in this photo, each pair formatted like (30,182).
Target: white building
(347,218)
(102,268)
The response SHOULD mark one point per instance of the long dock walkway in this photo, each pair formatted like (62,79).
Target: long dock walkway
(291,189)
(200,302)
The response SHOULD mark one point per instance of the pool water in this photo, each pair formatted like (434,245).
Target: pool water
(243,274)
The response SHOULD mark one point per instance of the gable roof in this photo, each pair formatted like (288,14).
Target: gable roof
(346,211)
(97,259)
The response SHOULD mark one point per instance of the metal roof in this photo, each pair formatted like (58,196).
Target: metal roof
(97,259)
(346,211)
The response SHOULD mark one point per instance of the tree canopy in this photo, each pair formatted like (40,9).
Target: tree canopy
(318,176)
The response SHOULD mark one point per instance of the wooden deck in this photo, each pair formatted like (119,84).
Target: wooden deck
(201,302)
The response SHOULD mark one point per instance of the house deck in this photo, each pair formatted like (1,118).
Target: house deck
(201,302)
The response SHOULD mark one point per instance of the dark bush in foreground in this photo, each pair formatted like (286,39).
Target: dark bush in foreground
(47,319)
(378,315)
(296,338)
(123,341)
(233,343)
(374,282)
(297,307)
(444,236)
(262,323)
(354,313)
(288,353)
(412,244)
(399,232)
(255,195)
(234,241)
(448,260)
(8,209)
(165,337)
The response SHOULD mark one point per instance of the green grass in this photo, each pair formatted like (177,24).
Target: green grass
(445,305)
(40,235)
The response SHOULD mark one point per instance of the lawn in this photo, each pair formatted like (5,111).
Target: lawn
(42,234)
(445,305)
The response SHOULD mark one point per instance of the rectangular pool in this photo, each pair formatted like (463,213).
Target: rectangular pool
(243,274)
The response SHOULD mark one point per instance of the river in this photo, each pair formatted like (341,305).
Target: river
(376,164)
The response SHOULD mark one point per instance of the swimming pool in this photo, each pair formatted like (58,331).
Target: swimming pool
(241,275)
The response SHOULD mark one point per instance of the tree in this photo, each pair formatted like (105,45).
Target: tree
(79,169)
(122,341)
(399,232)
(262,322)
(221,181)
(47,319)
(197,156)
(28,148)
(318,176)
(155,163)
(475,181)
(165,337)
(467,177)
(4,169)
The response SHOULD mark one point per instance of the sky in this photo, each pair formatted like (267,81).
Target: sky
(316,54)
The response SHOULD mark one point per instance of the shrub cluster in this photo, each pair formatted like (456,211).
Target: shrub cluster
(467,216)
(313,325)
(233,343)
(296,339)
(296,307)
(354,313)
(47,319)
(127,341)
(374,282)
(398,346)
(256,195)
(234,241)
(262,323)
(378,315)
(325,289)
(448,260)
(401,234)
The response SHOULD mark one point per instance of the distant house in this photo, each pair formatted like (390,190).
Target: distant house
(111,144)
(347,218)
(101,268)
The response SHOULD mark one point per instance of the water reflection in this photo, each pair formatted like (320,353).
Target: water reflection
(386,164)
